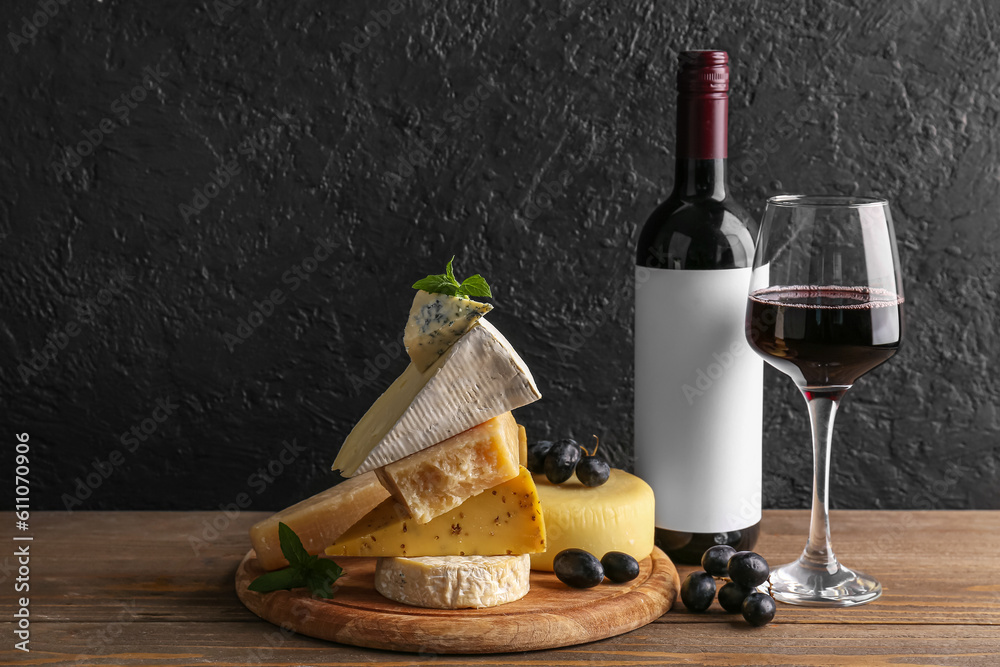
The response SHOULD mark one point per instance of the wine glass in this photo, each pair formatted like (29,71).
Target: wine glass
(825,307)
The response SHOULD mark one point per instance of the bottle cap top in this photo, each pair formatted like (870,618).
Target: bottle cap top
(703,72)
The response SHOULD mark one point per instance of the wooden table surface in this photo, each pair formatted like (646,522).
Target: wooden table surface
(156,588)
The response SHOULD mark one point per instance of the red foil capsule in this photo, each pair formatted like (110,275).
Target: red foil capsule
(703,105)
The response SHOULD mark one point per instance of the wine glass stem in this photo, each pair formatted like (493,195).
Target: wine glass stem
(822,411)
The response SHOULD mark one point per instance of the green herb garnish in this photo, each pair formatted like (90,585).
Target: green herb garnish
(304,570)
(445,283)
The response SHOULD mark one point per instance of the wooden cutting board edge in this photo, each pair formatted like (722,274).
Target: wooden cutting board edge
(550,616)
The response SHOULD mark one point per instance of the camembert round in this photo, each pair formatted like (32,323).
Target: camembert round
(453,582)
(616,516)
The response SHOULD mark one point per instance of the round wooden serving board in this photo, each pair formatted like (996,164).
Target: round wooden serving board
(549,616)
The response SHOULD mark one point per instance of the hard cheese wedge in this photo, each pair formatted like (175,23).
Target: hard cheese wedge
(454,582)
(442,477)
(478,378)
(522,445)
(436,321)
(501,521)
(319,520)
(616,516)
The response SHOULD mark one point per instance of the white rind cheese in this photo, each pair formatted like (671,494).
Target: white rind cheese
(478,378)
(454,582)
(436,321)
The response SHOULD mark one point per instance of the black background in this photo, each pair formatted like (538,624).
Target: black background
(528,139)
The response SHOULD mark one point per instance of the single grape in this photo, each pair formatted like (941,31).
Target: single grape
(732,595)
(592,471)
(748,569)
(561,460)
(578,568)
(536,456)
(716,560)
(697,591)
(619,567)
(758,609)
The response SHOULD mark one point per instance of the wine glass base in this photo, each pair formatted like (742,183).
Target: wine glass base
(805,584)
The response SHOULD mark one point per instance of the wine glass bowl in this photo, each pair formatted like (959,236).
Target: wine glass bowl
(825,306)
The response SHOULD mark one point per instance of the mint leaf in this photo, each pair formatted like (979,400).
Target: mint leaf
(320,579)
(475,286)
(446,283)
(437,285)
(304,569)
(448,271)
(291,546)
(277,581)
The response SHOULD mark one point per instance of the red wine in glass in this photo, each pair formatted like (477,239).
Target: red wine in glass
(824,306)
(824,337)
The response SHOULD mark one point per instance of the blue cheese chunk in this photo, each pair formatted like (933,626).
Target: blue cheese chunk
(436,321)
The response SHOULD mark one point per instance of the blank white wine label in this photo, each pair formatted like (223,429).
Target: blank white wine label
(698,399)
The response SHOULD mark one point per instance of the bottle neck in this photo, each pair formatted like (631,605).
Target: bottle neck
(705,178)
(702,144)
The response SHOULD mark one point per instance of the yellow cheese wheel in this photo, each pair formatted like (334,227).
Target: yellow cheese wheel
(616,516)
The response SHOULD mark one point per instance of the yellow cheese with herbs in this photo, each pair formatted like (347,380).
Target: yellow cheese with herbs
(442,477)
(616,516)
(503,520)
(318,520)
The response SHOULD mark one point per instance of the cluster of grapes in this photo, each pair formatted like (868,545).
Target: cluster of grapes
(581,569)
(557,461)
(745,570)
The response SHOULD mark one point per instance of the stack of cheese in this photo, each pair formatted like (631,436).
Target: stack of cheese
(437,487)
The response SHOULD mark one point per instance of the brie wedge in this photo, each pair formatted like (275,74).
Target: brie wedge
(478,378)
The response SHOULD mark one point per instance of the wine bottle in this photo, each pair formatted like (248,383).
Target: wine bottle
(698,386)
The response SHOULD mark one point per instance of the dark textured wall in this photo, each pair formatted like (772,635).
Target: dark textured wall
(272,156)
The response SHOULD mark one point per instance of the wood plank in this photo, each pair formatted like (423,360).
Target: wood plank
(171,566)
(228,644)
